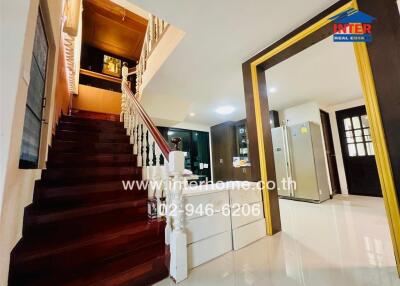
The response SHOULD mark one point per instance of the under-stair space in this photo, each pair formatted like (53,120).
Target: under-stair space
(83,228)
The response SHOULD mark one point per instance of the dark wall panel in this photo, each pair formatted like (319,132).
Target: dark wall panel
(384,53)
(92,59)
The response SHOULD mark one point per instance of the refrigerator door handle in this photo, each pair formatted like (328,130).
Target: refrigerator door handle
(288,164)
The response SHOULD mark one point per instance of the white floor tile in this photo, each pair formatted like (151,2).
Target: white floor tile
(344,241)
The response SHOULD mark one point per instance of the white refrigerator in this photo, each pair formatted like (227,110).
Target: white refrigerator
(301,171)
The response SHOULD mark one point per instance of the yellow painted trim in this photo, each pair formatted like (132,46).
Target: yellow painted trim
(380,147)
(257,105)
(261,150)
(302,34)
(373,111)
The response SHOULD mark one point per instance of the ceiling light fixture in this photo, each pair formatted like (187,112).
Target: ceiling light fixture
(224,110)
(272,90)
(192,114)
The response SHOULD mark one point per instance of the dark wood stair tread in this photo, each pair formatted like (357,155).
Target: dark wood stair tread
(89,120)
(79,190)
(91,148)
(65,159)
(140,268)
(81,175)
(92,128)
(51,254)
(38,216)
(144,274)
(71,135)
(83,228)
(35,248)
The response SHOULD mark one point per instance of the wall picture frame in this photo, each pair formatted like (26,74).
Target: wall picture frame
(112,66)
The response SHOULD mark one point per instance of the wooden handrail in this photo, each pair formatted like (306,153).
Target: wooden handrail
(132,71)
(158,138)
(149,146)
(100,75)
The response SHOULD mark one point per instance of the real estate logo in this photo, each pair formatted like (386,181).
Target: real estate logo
(352,26)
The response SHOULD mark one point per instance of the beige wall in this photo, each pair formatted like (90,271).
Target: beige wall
(97,100)
(18,23)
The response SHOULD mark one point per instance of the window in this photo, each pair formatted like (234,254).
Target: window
(34,104)
(358,136)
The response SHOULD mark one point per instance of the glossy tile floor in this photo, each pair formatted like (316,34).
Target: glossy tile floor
(344,241)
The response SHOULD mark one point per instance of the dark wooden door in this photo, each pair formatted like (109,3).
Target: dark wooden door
(358,152)
(223,149)
(330,152)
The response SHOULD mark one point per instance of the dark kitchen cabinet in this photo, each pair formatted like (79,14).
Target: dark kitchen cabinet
(229,140)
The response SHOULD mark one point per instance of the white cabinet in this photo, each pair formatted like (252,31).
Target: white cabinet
(206,226)
(247,216)
(235,219)
(248,233)
(208,249)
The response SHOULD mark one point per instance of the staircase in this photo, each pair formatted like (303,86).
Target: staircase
(82,227)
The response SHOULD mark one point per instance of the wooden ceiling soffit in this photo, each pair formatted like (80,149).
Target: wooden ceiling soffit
(113,29)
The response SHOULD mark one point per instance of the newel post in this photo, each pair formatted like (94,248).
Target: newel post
(124,72)
(124,101)
(178,241)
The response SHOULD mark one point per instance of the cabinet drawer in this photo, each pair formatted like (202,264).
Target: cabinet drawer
(208,249)
(248,233)
(217,200)
(248,196)
(246,214)
(206,226)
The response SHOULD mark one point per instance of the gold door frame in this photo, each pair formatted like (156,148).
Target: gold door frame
(374,116)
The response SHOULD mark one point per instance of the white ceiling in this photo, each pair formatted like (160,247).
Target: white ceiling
(326,73)
(204,71)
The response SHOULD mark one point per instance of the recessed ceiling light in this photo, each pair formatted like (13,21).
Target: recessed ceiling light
(272,90)
(192,114)
(227,109)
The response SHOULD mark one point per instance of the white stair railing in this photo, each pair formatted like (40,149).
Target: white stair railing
(155,30)
(165,182)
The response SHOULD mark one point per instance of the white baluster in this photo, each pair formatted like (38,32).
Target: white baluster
(139,144)
(145,145)
(125,113)
(129,128)
(154,31)
(121,116)
(135,134)
(151,150)
(145,168)
(132,132)
(157,153)
(124,103)
(178,241)
(165,185)
(152,171)
(151,31)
